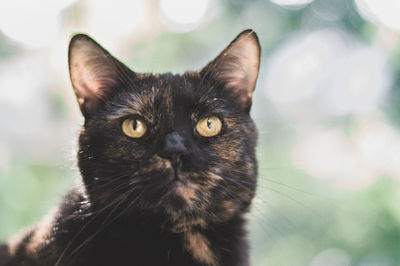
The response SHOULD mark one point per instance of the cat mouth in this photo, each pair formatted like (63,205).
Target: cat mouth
(178,182)
(182,187)
(184,190)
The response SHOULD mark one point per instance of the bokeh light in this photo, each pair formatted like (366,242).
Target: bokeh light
(331,257)
(344,77)
(385,12)
(350,162)
(32,23)
(184,15)
(111,21)
(329,155)
(292,2)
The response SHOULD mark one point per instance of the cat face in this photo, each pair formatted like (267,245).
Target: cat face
(176,145)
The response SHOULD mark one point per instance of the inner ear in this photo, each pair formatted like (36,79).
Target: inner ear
(236,68)
(94,72)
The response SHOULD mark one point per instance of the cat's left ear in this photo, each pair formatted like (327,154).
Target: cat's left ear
(236,68)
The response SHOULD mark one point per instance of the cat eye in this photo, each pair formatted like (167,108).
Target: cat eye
(134,127)
(209,126)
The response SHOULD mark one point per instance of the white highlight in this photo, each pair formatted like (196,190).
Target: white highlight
(32,23)
(350,161)
(328,72)
(292,2)
(183,15)
(331,257)
(385,12)
(118,19)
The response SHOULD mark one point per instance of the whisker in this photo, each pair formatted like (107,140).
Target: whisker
(100,227)
(258,217)
(115,178)
(98,212)
(105,224)
(237,182)
(262,178)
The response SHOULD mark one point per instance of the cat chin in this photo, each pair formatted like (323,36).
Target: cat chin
(185,190)
(180,186)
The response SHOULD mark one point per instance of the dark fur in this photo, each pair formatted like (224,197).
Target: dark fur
(127,212)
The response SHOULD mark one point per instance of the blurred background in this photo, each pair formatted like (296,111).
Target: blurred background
(327,105)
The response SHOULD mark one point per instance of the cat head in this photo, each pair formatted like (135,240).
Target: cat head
(176,145)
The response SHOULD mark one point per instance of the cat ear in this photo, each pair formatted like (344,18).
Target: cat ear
(236,68)
(94,73)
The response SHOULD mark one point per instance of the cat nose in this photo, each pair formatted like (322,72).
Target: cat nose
(174,147)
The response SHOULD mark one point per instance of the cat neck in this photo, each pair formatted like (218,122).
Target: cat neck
(146,237)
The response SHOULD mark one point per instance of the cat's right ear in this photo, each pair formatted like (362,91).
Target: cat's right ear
(94,73)
(236,68)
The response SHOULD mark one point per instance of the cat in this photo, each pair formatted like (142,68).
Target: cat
(167,162)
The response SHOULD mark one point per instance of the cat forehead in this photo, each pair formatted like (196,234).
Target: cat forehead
(167,93)
(165,84)
(167,89)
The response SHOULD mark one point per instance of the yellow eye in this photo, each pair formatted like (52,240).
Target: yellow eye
(209,126)
(134,128)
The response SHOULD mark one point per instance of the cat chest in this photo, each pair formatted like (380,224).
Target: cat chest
(152,249)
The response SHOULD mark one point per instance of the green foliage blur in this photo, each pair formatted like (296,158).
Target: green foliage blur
(297,218)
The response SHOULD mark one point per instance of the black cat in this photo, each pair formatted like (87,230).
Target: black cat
(167,161)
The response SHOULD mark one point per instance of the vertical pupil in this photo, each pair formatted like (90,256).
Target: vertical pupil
(134,124)
(209,123)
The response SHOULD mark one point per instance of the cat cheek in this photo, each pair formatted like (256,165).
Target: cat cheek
(227,209)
